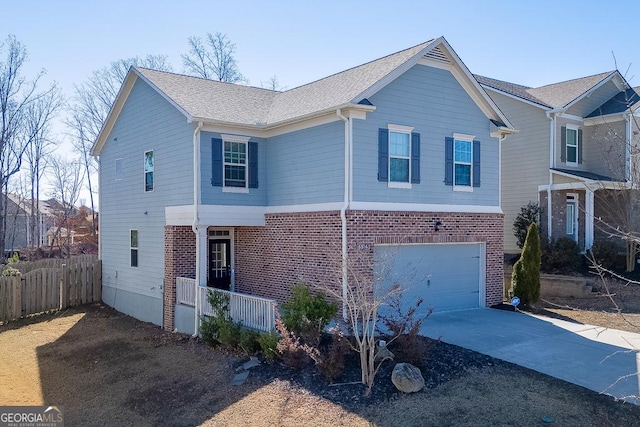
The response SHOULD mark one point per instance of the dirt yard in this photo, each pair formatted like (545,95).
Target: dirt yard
(106,368)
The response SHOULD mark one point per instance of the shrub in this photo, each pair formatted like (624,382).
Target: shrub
(220,329)
(529,213)
(525,280)
(248,341)
(307,315)
(560,256)
(605,253)
(291,351)
(332,364)
(269,345)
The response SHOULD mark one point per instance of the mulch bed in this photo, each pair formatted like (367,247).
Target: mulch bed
(442,363)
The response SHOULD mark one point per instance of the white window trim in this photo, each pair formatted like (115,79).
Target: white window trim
(466,138)
(137,248)
(242,140)
(399,129)
(144,171)
(566,148)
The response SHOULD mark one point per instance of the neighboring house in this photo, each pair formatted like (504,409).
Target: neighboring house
(19,231)
(58,236)
(255,190)
(573,153)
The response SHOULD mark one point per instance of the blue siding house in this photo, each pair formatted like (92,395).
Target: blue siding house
(254,190)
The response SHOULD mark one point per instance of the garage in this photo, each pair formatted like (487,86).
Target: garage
(447,276)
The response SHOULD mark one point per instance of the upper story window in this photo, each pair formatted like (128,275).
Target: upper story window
(571,145)
(462,162)
(462,155)
(234,163)
(398,156)
(148,170)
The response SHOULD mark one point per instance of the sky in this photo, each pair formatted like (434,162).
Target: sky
(528,42)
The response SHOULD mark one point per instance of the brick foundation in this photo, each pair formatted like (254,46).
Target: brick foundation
(179,260)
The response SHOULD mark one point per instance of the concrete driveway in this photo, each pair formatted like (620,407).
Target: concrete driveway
(604,360)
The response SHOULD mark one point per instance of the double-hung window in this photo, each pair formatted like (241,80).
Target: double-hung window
(572,146)
(148,170)
(133,239)
(462,160)
(234,163)
(398,156)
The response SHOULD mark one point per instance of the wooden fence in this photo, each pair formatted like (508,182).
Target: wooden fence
(51,285)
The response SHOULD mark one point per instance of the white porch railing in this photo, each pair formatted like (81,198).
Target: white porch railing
(186,291)
(254,312)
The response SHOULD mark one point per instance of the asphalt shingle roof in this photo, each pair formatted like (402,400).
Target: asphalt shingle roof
(231,103)
(554,95)
(583,174)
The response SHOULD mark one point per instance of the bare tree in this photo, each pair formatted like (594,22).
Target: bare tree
(91,105)
(273,84)
(38,119)
(213,59)
(17,97)
(66,177)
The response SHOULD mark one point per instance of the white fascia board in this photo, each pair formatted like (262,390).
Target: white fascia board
(588,184)
(423,207)
(164,95)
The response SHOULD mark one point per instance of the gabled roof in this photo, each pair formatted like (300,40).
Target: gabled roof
(585,175)
(556,95)
(621,102)
(215,102)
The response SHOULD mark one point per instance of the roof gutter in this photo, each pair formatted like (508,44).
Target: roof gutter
(348,132)
(196,221)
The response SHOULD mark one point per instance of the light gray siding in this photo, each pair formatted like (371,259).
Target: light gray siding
(306,166)
(214,195)
(525,160)
(433,102)
(588,104)
(604,149)
(147,122)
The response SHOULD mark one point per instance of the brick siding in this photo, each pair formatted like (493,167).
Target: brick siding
(307,246)
(179,260)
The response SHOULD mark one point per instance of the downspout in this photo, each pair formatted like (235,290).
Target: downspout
(345,206)
(196,221)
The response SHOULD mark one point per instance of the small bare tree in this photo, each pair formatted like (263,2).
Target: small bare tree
(66,182)
(273,84)
(213,58)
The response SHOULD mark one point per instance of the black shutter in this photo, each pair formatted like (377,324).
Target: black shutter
(563,144)
(253,165)
(579,145)
(476,163)
(216,156)
(415,158)
(383,154)
(448,160)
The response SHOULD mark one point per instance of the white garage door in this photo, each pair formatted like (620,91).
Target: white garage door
(446,276)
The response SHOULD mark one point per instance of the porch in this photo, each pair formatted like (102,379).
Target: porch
(254,312)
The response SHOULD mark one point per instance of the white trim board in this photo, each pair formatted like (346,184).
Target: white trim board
(237,216)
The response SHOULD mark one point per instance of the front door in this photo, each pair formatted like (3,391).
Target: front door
(219,264)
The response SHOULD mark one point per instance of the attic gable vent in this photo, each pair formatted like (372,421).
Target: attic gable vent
(437,54)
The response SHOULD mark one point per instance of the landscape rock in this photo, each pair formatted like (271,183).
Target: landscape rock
(407,378)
